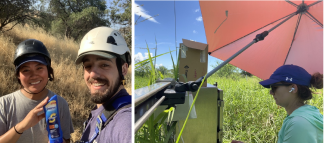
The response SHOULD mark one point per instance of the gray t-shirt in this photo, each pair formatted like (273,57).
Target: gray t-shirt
(118,130)
(15,106)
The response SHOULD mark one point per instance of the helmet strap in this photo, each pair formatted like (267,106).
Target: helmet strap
(38,92)
(126,57)
(119,68)
(49,75)
(34,93)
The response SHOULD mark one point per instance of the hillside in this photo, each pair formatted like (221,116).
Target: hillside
(68,81)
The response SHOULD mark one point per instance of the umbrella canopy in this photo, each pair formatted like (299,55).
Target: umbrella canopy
(297,41)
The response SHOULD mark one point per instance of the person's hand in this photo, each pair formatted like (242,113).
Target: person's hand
(234,141)
(32,118)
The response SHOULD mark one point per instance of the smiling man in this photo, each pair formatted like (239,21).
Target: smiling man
(106,58)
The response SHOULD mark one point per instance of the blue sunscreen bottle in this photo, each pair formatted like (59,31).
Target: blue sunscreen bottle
(52,118)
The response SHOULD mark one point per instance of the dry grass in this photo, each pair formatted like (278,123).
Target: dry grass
(68,81)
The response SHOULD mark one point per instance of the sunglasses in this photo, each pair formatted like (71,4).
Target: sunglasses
(275,86)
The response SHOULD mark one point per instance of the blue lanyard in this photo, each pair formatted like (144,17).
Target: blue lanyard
(100,120)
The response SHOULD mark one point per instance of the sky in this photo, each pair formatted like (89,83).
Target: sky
(189,25)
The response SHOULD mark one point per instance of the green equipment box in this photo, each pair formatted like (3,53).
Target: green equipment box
(208,126)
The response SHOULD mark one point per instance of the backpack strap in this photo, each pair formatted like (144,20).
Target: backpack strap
(109,112)
(111,117)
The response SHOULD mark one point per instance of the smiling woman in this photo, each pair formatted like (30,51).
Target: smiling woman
(31,83)
(21,119)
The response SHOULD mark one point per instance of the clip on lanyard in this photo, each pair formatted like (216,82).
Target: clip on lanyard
(99,125)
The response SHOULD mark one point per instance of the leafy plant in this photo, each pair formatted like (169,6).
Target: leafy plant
(141,63)
(152,77)
(175,67)
(227,70)
(161,75)
(162,69)
(156,130)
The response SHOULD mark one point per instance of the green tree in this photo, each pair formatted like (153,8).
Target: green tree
(120,13)
(163,70)
(245,73)
(227,70)
(143,70)
(74,18)
(15,12)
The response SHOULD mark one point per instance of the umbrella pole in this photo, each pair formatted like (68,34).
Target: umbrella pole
(259,37)
(193,85)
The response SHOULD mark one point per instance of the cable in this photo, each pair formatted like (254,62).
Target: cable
(181,135)
(175,26)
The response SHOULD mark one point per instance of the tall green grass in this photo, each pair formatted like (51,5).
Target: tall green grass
(250,113)
(175,67)
(155,129)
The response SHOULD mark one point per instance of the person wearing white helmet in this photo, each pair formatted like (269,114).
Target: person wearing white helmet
(105,57)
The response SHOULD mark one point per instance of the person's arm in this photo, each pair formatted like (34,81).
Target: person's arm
(299,130)
(29,121)
(11,135)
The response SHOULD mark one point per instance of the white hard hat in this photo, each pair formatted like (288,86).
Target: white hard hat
(105,42)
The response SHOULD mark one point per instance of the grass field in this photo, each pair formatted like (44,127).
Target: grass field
(250,113)
(68,81)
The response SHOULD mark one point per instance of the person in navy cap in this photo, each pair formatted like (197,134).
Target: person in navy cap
(21,117)
(290,86)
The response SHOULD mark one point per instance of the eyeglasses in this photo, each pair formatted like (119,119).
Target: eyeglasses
(275,86)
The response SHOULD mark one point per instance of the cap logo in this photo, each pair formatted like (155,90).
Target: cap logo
(288,79)
(91,42)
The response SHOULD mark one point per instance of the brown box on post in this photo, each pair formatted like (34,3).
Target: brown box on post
(193,61)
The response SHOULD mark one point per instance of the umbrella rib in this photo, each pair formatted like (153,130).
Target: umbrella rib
(294,35)
(314,3)
(291,3)
(253,32)
(314,19)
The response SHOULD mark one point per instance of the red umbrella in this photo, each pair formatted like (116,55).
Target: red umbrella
(298,40)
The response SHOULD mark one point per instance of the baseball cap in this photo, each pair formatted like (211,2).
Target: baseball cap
(289,74)
(31,58)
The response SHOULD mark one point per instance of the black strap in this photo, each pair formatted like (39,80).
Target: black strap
(112,114)
(109,114)
(17,131)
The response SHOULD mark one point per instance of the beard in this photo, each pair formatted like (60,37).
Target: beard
(100,97)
